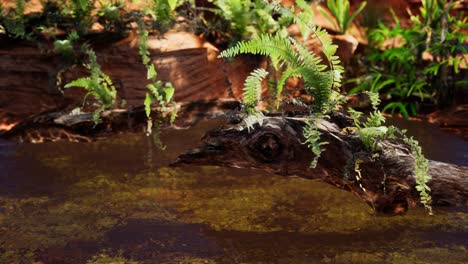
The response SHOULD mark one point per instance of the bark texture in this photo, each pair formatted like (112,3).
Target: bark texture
(386,179)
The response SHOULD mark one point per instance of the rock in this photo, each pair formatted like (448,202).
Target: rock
(29,74)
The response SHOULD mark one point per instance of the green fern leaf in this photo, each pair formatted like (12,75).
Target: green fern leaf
(147,104)
(253,87)
(85,83)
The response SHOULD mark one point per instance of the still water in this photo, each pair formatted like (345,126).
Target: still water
(116,201)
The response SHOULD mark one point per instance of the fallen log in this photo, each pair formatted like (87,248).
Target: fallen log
(385,178)
(77,126)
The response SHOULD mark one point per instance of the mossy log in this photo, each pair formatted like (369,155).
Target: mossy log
(386,178)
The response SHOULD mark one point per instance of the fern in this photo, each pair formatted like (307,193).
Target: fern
(253,88)
(312,138)
(292,59)
(98,84)
(287,52)
(143,42)
(320,80)
(371,132)
(421,168)
(278,48)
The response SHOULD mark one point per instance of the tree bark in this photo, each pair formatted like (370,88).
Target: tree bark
(385,178)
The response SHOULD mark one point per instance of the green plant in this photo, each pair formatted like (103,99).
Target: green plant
(421,168)
(421,62)
(318,79)
(109,15)
(158,93)
(162,13)
(161,94)
(247,19)
(65,47)
(371,132)
(341,16)
(291,58)
(312,138)
(98,84)
(13,21)
(79,14)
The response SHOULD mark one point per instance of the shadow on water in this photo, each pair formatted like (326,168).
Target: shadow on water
(116,200)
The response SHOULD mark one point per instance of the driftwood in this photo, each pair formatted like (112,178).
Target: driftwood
(76,126)
(386,181)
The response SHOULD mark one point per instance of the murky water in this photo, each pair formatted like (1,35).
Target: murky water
(437,144)
(116,200)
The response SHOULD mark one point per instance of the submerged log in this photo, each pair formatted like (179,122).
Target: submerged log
(386,178)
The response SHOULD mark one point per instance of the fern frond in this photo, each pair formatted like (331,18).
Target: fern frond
(308,58)
(253,87)
(252,119)
(280,85)
(84,82)
(375,119)
(355,115)
(278,48)
(318,84)
(374,98)
(305,19)
(312,136)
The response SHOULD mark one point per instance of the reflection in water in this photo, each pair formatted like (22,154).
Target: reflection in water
(116,199)
(436,144)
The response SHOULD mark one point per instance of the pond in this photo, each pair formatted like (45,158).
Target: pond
(117,200)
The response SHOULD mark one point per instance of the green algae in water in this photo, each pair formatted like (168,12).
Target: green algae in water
(244,215)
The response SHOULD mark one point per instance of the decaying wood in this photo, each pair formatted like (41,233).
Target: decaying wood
(386,182)
(76,126)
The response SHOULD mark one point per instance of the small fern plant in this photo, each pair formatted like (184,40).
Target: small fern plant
(65,46)
(162,95)
(292,59)
(98,84)
(286,53)
(371,132)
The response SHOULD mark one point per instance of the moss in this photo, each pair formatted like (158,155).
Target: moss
(250,215)
(106,258)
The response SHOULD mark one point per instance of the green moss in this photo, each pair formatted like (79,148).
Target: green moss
(105,258)
(241,209)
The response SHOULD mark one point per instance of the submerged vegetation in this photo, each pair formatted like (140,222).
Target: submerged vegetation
(89,204)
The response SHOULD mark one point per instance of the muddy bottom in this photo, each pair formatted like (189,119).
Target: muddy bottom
(117,200)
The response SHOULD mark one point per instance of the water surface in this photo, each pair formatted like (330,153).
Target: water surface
(116,200)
